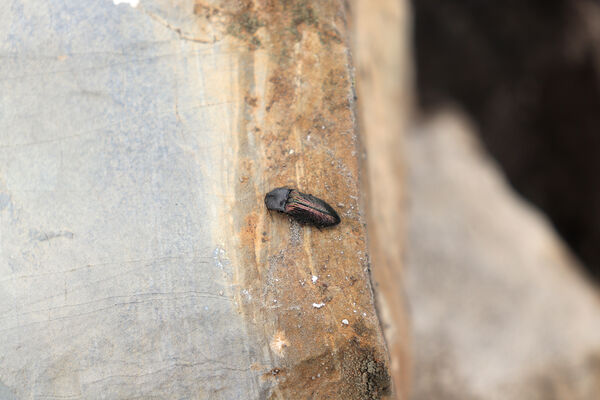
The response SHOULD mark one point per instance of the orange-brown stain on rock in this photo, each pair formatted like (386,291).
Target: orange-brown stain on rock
(309,290)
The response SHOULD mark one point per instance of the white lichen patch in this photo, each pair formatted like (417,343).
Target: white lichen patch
(318,305)
(132,3)
(279,343)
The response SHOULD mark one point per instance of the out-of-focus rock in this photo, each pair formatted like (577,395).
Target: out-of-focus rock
(384,68)
(528,74)
(499,307)
(137,258)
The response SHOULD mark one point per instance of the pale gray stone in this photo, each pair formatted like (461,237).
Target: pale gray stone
(112,281)
(499,306)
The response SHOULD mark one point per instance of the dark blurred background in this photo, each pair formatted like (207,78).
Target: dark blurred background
(527,72)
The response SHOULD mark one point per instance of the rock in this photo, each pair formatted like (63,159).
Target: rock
(137,258)
(499,306)
(383,62)
(533,89)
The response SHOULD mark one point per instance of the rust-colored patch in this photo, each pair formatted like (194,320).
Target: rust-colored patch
(334,90)
(248,233)
(281,90)
(310,379)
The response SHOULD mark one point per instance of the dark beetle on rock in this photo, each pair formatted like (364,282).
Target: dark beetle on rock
(304,208)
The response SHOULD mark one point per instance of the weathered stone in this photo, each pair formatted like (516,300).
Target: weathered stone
(137,258)
(382,54)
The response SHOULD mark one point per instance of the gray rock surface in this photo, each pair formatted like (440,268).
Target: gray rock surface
(112,281)
(499,307)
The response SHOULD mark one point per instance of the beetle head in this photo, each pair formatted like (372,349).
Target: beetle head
(276,199)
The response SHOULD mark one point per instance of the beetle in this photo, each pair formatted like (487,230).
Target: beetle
(303,207)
